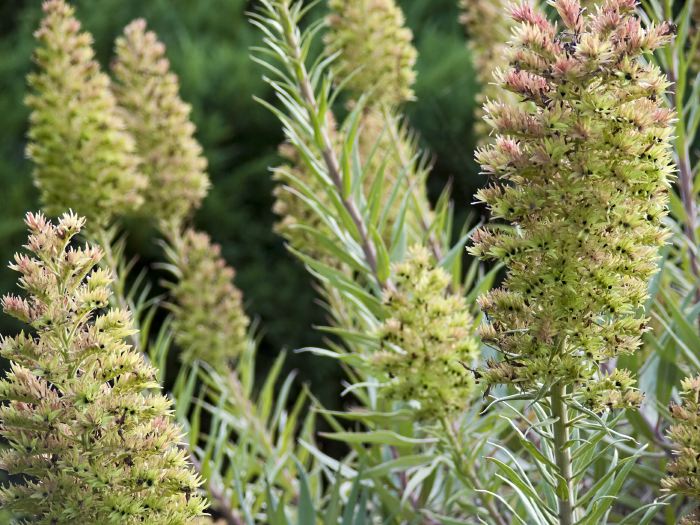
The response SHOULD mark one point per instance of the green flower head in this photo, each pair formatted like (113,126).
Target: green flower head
(160,123)
(426,340)
(83,157)
(82,413)
(580,173)
(208,318)
(374,47)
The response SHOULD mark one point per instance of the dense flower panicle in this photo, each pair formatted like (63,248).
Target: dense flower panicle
(83,158)
(94,447)
(160,123)
(426,340)
(489,29)
(684,472)
(581,170)
(374,47)
(208,318)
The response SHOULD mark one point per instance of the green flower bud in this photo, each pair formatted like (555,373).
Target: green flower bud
(426,340)
(580,170)
(94,445)
(374,47)
(83,158)
(208,318)
(160,123)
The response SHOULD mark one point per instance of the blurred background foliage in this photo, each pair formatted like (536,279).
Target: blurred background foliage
(208,45)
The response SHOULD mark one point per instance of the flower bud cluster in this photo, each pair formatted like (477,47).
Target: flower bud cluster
(427,346)
(159,121)
(83,157)
(374,49)
(684,472)
(581,168)
(208,318)
(86,424)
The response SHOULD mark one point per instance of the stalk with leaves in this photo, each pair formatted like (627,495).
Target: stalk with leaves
(581,167)
(397,311)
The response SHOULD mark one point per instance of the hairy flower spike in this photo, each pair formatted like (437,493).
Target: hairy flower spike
(683,472)
(94,447)
(209,321)
(427,340)
(374,47)
(581,169)
(159,121)
(83,158)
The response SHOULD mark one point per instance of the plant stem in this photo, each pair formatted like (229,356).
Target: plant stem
(562,454)
(321,132)
(468,472)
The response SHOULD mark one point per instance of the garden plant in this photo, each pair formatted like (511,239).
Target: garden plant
(529,356)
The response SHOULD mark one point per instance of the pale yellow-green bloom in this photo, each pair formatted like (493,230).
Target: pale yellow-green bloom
(83,158)
(426,340)
(160,123)
(373,46)
(82,412)
(683,478)
(581,169)
(208,318)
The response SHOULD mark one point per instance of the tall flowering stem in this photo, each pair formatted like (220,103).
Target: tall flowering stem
(405,333)
(580,170)
(94,444)
(334,176)
(83,157)
(375,61)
